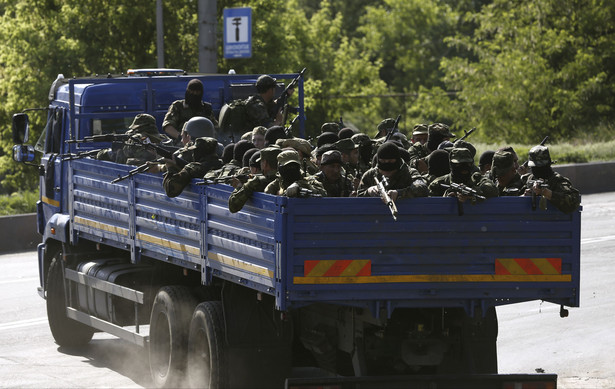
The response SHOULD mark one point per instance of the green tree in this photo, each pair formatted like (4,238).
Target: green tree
(543,67)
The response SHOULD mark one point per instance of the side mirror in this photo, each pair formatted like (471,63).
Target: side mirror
(23,153)
(21,128)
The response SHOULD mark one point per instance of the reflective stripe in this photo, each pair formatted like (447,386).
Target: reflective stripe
(524,266)
(337,268)
(100,226)
(49,201)
(419,278)
(239,264)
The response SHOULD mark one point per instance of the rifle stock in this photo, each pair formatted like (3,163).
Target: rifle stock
(381,184)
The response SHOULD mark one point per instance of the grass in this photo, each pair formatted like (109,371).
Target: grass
(563,153)
(18,203)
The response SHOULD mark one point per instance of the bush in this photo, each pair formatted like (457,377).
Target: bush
(18,203)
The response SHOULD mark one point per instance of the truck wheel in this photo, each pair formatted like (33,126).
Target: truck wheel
(168,335)
(207,361)
(66,332)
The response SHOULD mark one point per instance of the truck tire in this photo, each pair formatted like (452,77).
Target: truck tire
(66,332)
(168,337)
(207,358)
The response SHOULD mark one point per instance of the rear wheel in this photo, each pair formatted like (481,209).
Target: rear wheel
(207,354)
(169,323)
(66,332)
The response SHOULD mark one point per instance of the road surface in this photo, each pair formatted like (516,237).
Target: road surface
(532,336)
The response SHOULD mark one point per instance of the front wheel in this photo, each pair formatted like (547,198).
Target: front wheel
(207,359)
(169,323)
(66,332)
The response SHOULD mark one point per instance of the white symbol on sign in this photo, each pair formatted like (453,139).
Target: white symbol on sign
(237,29)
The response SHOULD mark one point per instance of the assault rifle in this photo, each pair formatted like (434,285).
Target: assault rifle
(382,190)
(393,129)
(226,179)
(304,192)
(139,169)
(543,201)
(288,130)
(467,133)
(464,190)
(103,138)
(82,154)
(282,101)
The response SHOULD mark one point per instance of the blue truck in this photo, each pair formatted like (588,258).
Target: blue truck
(294,292)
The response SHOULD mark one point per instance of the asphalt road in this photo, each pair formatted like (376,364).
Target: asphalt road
(532,336)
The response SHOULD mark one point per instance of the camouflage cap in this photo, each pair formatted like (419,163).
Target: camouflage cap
(326,137)
(288,156)
(330,127)
(420,129)
(386,124)
(346,133)
(345,145)
(204,145)
(269,153)
(440,129)
(501,163)
(361,139)
(466,145)
(539,156)
(265,82)
(145,124)
(461,155)
(330,157)
(299,144)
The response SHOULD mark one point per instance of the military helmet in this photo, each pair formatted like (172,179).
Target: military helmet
(539,156)
(264,82)
(502,162)
(199,127)
(461,155)
(287,157)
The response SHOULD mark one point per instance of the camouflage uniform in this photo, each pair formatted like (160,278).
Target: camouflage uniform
(133,152)
(476,181)
(258,112)
(240,196)
(503,167)
(564,196)
(406,181)
(256,184)
(203,150)
(179,113)
(279,186)
(340,188)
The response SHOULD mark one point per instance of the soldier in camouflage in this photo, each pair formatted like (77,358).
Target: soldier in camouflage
(290,181)
(404,182)
(330,175)
(505,174)
(556,188)
(461,162)
(136,152)
(203,154)
(269,164)
(437,133)
(180,111)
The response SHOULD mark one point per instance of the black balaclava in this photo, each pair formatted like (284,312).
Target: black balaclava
(389,150)
(438,163)
(461,173)
(543,172)
(290,173)
(194,93)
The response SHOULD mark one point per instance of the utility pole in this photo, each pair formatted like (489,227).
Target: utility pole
(208,14)
(159,34)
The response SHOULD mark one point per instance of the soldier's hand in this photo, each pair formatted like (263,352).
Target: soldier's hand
(393,194)
(292,190)
(421,166)
(372,191)
(236,183)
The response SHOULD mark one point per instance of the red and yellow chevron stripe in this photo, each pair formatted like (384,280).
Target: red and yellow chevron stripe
(528,266)
(338,268)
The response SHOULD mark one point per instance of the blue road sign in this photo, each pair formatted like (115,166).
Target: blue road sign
(238,32)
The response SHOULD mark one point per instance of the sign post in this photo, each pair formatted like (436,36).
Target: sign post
(238,32)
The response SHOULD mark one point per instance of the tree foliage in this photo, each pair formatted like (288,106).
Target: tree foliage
(516,70)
